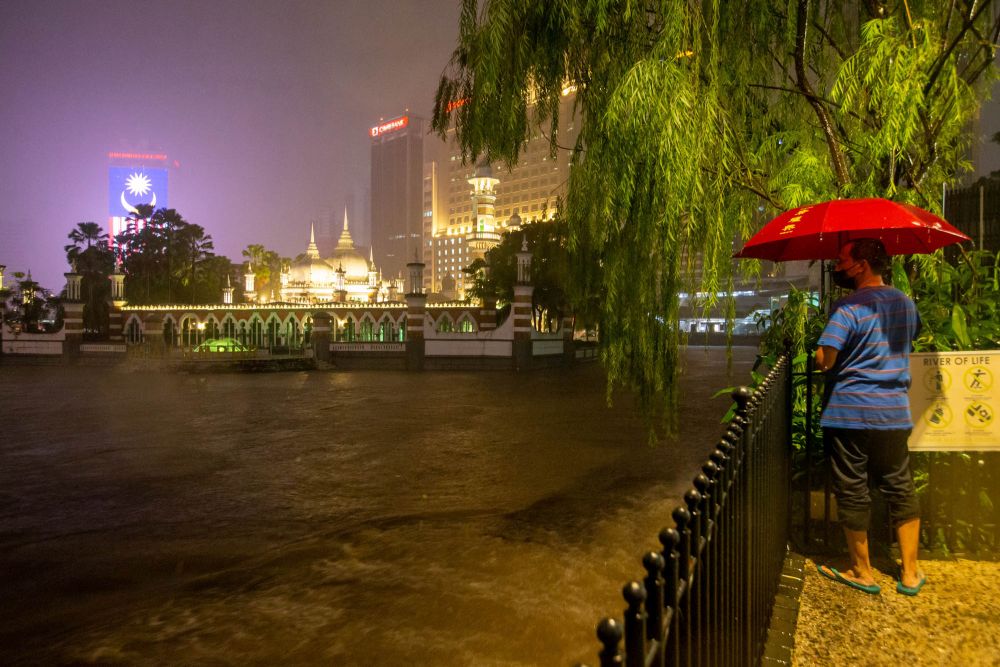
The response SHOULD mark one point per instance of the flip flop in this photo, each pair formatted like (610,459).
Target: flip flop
(871,589)
(911,590)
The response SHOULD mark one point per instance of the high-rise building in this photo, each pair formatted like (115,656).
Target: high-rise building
(529,192)
(134,179)
(397,162)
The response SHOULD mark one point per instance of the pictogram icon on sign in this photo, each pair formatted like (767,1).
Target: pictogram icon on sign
(939,415)
(937,381)
(978,379)
(978,414)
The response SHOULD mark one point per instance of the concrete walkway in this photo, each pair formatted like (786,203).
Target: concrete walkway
(955,620)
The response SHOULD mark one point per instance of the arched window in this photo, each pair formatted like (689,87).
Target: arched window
(367,329)
(211,328)
(445,324)
(385,330)
(466,324)
(292,332)
(256,332)
(169,333)
(229,327)
(189,332)
(348,333)
(133,332)
(241,333)
(272,332)
(307,330)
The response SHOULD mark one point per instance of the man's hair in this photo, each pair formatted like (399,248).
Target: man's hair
(871,251)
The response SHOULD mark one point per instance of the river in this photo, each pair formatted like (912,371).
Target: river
(347,518)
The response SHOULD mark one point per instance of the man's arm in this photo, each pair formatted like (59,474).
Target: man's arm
(826,357)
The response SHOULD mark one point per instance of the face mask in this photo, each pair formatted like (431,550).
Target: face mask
(841,279)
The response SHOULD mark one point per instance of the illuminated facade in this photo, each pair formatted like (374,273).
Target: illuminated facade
(453,210)
(397,161)
(134,179)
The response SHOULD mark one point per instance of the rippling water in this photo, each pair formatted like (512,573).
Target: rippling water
(362,518)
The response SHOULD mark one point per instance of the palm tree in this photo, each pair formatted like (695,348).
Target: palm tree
(198,246)
(94,260)
(83,237)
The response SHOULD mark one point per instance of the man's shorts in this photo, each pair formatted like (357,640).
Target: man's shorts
(857,454)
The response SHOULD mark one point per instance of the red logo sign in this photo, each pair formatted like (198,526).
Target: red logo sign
(389,126)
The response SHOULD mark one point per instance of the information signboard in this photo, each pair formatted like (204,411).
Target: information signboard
(954,401)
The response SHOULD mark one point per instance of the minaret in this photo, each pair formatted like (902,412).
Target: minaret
(313,250)
(227,292)
(338,284)
(73,281)
(117,278)
(521,307)
(248,290)
(345,240)
(115,321)
(484,230)
(372,273)
(28,291)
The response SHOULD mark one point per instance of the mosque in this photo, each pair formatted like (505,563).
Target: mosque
(344,276)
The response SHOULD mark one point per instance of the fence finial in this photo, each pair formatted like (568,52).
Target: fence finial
(742,397)
(609,633)
(669,538)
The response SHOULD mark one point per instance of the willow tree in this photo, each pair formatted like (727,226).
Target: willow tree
(699,120)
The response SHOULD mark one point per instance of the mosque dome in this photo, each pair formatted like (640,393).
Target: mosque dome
(345,255)
(355,266)
(311,268)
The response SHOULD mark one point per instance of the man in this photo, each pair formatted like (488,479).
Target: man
(865,350)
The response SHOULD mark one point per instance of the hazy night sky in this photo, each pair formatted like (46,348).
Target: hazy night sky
(265,105)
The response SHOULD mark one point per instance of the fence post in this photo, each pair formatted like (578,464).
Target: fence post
(705,569)
(682,517)
(670,539)
(714,489)
(693,500)
(654,564)
(728,452)
(741,422)
(635,624)
(609,633)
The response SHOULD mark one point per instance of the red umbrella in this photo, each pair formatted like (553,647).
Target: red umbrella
(818,231)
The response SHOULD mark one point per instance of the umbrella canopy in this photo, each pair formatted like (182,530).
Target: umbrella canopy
(818,231)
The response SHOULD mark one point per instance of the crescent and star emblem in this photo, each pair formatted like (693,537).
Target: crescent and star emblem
(138,184)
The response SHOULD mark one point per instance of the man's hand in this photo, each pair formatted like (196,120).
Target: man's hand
(826,357)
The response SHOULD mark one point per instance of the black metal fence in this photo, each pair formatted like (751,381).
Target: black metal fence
(707,595)
(975,210)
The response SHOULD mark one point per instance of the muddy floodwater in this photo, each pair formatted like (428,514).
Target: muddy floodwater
(330,518)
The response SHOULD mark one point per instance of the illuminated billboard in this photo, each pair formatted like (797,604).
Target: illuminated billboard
(389,126)
(130,186)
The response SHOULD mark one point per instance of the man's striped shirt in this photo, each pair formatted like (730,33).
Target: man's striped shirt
(872,329)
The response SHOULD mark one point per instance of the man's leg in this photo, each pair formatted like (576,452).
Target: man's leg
(857,547)
(849,474)
(890,467)
(908,534)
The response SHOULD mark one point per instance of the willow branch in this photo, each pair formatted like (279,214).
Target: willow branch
(829,38)
(943,58)
(836,154)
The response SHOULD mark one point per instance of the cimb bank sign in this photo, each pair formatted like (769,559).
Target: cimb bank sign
(389,126)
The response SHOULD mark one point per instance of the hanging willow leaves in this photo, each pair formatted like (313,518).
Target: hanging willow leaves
(701,120)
